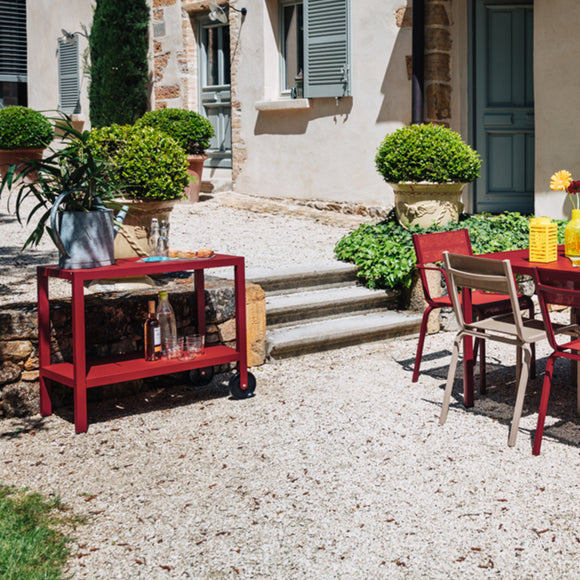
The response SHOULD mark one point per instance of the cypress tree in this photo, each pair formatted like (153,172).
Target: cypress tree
(118,42)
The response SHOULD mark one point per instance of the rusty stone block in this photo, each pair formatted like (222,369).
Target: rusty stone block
(437,67)
(167,92)
(21,399)
(15,350)
(438,98)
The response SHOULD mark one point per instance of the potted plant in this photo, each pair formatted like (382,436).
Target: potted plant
(24,134)
(427,166)
(150,169)
(192,131)
(69,193)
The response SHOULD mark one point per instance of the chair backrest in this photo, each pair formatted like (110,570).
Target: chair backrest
(485,274)
(429,249)
(558,289)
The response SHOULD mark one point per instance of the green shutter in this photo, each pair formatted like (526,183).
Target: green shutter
(68,75)
(326,48)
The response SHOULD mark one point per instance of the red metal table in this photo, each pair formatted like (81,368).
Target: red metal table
(82,374)
(520,262)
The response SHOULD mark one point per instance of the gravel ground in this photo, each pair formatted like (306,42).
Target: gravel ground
(337,468)
(268,234)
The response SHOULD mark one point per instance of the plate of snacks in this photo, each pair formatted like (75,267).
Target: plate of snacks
(201,254)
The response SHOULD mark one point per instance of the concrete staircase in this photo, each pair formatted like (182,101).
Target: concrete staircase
(311,308)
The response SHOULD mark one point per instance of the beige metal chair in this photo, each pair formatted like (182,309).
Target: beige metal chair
(473,273)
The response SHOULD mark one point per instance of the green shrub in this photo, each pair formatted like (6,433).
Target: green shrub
(190,129)
(23,128)
(148,164)
(119,70)
(385,256)
(430,153)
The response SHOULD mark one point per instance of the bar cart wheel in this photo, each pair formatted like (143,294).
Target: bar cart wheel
(236,390)
(201,377)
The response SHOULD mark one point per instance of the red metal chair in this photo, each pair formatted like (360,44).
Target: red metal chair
(555,288)
(429,250)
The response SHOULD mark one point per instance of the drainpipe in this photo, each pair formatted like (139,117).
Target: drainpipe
(418,80)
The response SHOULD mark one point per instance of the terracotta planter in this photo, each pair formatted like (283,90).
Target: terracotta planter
(10,157)
(133,237)
(194,169)
(425,204)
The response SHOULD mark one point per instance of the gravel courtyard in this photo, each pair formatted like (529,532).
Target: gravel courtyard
(337,468)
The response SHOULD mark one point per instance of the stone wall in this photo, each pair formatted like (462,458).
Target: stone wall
(114,324)
(438,42)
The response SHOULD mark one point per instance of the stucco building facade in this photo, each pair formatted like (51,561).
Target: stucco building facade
(501,73)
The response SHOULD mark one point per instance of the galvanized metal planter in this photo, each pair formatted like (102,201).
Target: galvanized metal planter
(85,239)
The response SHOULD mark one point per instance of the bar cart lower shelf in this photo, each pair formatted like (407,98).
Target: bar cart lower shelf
(82,373)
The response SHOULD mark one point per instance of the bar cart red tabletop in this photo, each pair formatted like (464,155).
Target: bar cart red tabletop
(83,374)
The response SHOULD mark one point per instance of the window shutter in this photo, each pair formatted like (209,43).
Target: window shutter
(68,76)
(13,62)
(326,48)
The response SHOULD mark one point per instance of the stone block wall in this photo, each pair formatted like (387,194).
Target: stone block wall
(114,325)
(438,42)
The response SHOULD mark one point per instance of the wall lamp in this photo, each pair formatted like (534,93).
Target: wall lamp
(70,37)
(219,14)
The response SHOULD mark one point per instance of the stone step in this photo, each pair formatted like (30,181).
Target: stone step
(285,309)
(336,333)
(301,276)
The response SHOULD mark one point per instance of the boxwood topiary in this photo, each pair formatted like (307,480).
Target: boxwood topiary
(148,164)
(430,153)
(24,128)
(190,129)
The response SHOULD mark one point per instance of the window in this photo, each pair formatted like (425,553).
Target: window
(315,44)
(13,63)
(292,41)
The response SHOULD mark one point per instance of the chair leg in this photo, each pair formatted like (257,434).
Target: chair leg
(480,345)
(521,391)
(450,379)
(543,405)
(532,315)
(421,343)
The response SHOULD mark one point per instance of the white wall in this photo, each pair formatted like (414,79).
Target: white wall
(325,152)
(45,19)
(557,94)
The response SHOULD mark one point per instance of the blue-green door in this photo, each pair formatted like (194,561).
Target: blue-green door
(503,112)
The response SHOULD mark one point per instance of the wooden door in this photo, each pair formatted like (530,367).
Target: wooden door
(503,112)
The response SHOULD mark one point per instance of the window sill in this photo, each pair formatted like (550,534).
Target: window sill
(283,105)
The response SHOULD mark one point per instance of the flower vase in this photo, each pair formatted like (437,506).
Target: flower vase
(572,238)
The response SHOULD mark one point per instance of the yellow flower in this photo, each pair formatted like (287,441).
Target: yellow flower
(560,180)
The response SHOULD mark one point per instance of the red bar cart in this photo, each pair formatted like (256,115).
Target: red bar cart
(83,373)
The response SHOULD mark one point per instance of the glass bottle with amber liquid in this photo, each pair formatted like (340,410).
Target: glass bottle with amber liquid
(152,334)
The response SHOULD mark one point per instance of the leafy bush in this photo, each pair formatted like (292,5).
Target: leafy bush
(68,165)
(148,164)
(118,42)
(430,153)
(190,129)
(23,128)
(385,256)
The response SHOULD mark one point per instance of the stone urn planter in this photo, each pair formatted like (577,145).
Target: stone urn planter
(425,204)
(133,237)
(195,169)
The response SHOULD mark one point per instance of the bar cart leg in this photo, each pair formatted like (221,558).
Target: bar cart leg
(79,356)
(43,341)
(242,384)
